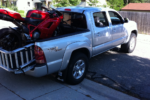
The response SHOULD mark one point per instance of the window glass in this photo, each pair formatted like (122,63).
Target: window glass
(100,19)
(75,19)
(115,18)
(66,18)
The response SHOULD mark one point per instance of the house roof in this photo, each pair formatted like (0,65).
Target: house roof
(137,7)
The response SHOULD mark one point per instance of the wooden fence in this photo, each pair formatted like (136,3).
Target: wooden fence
(141,18)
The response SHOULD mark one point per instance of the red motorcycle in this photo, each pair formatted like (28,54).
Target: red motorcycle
(37,25)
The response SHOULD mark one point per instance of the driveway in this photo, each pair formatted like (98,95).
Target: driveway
(129,73)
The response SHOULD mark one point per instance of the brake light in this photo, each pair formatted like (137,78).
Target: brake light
(39,55)
(68,9)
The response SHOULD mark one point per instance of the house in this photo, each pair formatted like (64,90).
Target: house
(30,4)
(138,7)
(26,4)
(36,4)
(87,3)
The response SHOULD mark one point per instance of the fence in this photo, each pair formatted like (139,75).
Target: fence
(141,18)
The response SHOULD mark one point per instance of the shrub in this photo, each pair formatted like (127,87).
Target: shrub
(21,11)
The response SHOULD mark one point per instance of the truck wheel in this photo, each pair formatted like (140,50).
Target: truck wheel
(130,46)
(77,68)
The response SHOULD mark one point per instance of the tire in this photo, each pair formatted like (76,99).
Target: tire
(17,40)
(77,59)
(130,46)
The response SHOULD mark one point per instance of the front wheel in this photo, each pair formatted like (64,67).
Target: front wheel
(130,46)
(77,68)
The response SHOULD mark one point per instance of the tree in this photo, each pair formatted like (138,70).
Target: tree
(93,2)
(65,3)
(116,4)
(134,1)
(74,2)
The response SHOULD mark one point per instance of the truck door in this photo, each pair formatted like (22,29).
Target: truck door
(102,31)
(117,31)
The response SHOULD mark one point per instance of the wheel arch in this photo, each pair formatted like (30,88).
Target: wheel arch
(73,48)
(82,50)
(129,35)
(135,32)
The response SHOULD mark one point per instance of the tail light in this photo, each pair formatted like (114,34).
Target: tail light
(39,55)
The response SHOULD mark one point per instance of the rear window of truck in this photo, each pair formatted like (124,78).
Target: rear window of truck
(75,19)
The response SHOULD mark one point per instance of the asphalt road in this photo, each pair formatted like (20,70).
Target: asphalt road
(129,73)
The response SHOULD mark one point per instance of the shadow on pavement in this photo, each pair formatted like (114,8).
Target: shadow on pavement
(124,72)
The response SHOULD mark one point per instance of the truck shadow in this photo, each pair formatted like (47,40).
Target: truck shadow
(124,72)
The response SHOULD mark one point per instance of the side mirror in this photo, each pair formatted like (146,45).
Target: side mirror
(126,20)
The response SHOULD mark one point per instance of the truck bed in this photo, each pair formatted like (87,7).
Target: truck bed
(17,60)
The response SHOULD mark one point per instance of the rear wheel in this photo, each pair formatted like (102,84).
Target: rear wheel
(9,40)
(77,68)
(130,46)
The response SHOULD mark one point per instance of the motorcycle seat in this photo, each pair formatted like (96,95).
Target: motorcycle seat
(32,21)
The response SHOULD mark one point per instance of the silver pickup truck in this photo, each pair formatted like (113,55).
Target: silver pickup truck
(86,32)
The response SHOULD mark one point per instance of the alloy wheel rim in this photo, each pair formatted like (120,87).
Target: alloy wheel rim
(79,69)
(132,43)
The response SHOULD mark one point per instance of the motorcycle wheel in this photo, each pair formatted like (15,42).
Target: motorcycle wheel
(9,39)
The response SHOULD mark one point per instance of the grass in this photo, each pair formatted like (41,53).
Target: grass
(14,8)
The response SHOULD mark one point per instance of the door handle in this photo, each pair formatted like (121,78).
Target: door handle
(98,33)
(114,29)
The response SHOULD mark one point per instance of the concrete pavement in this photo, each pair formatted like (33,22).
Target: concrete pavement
(22,87)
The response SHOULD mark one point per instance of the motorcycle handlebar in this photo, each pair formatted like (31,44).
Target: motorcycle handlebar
(54,10)
(45,8)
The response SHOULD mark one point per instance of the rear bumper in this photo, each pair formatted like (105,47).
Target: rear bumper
(38,71)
